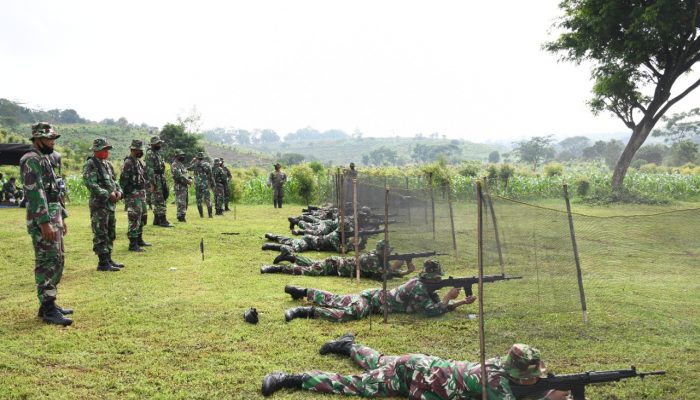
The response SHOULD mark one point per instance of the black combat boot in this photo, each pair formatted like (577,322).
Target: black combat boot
(64,311)
(285,257)
(278,380)
(274,201)
(114,263)
(219,211)
(272,269)
(226,207)
(307,218)
(297,232)
(292,222)
(164,223)
(295,291)
(209,211)
(272,246)
(201,213)
(51,315)
(134,245)
(104,264)
(181,218)
(156,220)
(341,346)
(298,312)
(272,236)
(140,241)
(279,203)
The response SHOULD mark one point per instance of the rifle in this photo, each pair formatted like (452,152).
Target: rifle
(466,283)
(577,382)
(411,256)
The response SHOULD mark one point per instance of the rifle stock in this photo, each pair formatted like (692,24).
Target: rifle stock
(466,283)
(576,383)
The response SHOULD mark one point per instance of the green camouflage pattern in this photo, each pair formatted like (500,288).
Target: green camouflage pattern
(203,179)
(41,191)
(431,270)
(329,242)
(181,180)
(413,376)
(219,177)
(524,362)
(370,266)
(276,180)
(133,183)
(44,130)
(411,297)
(155,175)
(227,187)
(98,177)
(100,144)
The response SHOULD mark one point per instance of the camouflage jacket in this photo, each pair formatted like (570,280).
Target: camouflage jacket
(179,174)
(133,176)
(277,179)
(228,174)
(411,297)
(98,177)
(155,167)
(219,175)
(40,189)
(9,187)
(202,174)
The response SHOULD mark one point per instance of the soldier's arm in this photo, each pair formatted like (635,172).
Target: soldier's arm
(425,302)
(150,171)
(90,181)
(125,176)
(37,203)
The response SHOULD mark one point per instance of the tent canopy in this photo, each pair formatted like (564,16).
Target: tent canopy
(10,153)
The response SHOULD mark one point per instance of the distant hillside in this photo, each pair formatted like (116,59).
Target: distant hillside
(237,157)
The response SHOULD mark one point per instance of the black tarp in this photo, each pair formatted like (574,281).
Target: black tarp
(10,153)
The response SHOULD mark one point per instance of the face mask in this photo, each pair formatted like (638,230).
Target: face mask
(156,147)
(44,149)
(138,154)
(102,154)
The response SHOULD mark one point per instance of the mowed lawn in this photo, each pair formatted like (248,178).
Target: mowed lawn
(170,324)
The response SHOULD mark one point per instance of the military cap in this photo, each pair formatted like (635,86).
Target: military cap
(431,269)
(200,154)
(278,165)
(100,144)
(179,152)
(524,362)
(156,140)
(380,247)
(44,130)
(136,144)
(352,165)
(217,160)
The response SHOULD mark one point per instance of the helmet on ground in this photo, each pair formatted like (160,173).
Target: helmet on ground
(44,130)
(524,362)
(431,269)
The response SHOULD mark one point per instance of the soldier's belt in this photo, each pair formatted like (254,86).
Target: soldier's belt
(52,197)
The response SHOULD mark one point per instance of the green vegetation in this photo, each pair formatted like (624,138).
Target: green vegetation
(170,325)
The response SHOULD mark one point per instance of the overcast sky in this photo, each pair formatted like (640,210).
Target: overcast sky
(464,69)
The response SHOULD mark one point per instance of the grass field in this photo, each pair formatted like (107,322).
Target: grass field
(170,325)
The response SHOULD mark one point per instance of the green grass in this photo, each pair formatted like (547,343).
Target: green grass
(153,332)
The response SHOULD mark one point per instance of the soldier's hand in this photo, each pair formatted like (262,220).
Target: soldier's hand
(113,197)
(469,299)
(65,228)
(452,294)
(47,232)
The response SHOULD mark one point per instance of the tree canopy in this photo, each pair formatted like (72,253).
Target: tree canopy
(639,49)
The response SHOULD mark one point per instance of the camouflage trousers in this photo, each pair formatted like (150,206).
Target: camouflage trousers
(157,199)
(202,194)
(219,197)
(136,211)
(227,193)
(334,265)
(383,376)
(181,193)
(48,258)
(104,231)
(342,308)
(318,229)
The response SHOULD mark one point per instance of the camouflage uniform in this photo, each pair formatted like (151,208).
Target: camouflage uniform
(277,179)
(155,174)
(227,187)
(219,177)
(99,178)
(329,242)
(182,182)
(370,266)
(133,183)
(424,377)
(202,181)
(39,183)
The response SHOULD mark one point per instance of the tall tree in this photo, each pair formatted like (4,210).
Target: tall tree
(639,49)
(680,126)
(535,151)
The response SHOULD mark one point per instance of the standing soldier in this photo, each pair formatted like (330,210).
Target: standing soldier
(98,177)
(155,173)
(219,186)
(276,180)
(182,183)
(133,183)
(45,222)
(227,187)
(202,181)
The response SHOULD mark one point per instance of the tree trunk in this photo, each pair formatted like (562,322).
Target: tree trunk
(639,135)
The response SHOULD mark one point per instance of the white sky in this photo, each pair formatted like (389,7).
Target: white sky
(465,69)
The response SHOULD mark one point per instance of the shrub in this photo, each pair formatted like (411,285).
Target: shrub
(469,169)
(304,182)
(505,173)
(649,168)
(583,186)
(638,162)
(491,172)
(553,169)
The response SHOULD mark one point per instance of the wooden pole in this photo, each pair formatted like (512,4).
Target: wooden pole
(386,252)
(356,229)
(579,275)
(489,204)
(452,219)
(341,215)
(480,261)
(408,200)
(432,200)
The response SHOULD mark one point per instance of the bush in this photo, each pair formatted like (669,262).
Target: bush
(638,162)
(649,168)
(469,169)
(304,182)
(583,186)
(491,172)
(505,173)
(553,169)
(316,166)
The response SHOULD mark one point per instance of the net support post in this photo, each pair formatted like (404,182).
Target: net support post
(579,275)
(452,219)
(480,262)
(357,224)
(432,201)
(386,251)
